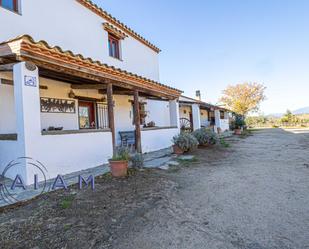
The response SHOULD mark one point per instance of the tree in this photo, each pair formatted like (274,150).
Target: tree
(289,118)
(243,98)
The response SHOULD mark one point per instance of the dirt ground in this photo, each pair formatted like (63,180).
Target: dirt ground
(253,194)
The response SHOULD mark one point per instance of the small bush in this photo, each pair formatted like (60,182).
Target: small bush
(122,154)
(224,143)
(185,141)
(239,122)
(205,136)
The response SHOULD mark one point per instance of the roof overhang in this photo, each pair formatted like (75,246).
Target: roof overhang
(24,48)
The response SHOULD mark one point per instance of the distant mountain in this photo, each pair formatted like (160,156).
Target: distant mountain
(304,110)
(275,115)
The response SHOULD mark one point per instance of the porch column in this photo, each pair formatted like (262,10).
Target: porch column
(28,116)
(196,116)
(137,122)
(111,119)
(174,113)
(217,120)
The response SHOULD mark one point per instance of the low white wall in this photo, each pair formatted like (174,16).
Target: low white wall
(63,154)
(9,151)
(157,139)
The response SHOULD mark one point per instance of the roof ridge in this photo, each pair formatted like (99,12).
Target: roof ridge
(103,13)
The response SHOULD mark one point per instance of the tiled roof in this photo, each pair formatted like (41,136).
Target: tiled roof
(27,43)
(98,10)
(188,100)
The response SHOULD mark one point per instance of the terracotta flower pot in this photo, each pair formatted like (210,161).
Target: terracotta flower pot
(118,168)
(177,150)
(237,131)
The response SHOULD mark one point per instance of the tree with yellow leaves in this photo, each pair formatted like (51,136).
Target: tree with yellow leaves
(243,98)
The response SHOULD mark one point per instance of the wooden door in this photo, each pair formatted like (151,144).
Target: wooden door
(86,112)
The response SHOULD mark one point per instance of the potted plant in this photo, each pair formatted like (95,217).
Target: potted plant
(205,136)
(119,162)
(184,142)
(239,124)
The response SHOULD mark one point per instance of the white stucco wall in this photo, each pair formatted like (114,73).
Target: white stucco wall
(159,112)
(73,27)
(204,118)
(157,139)
(184,112)
(7,107)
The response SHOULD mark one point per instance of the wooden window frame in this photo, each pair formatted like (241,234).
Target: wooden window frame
(15,6)
(113,39)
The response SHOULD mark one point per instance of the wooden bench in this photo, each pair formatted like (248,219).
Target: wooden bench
(127,138)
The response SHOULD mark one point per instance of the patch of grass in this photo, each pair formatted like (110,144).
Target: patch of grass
(187,162)
(184,160)
(66,227)
(67,202)
(246,133)
(224,143)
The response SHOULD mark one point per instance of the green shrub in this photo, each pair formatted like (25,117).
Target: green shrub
(122,154)
(185,141)
(205,136)
(239,122)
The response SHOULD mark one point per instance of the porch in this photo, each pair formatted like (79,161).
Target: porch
(195,114)
(67,111)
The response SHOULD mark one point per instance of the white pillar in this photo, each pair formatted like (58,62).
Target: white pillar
(174,113)
(27,107)
(196,116)
(217,120)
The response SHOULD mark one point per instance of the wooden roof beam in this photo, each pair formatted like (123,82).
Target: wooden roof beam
(7,67)
(89,86)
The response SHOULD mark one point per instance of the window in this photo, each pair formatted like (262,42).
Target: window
(113,46)
(10,4)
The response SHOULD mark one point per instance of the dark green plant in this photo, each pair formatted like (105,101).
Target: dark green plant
(205,136)
(239,122)
(122,154)
(224,143)
(185,141)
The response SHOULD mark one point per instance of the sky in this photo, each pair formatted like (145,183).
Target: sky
(210,44)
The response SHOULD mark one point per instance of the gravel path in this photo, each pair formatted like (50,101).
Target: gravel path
(251,195)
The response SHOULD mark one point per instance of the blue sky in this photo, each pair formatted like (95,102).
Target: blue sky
(209,44)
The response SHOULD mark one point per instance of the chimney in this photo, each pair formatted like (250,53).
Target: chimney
(198,94)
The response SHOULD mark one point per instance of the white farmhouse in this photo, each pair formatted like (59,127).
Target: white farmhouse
(75,84)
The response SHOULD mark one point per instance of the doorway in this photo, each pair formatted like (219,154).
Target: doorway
(86,115)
